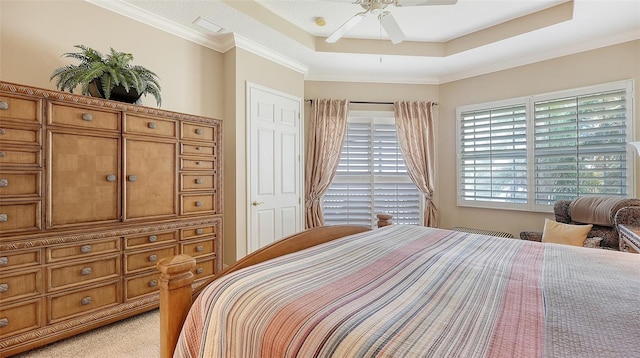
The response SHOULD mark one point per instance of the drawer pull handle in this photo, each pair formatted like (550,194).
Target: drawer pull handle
(152,125)
(199,231)
(199,131)
(197,163)
(198,203)
(111,177)
(4,218)
(198,181)
(153,283)
(4,105)
(153,238)
(85,249)
(4,322)
(4,287)
(199,248)
(87,117)
(2,131)
(153,258)
(197,148)
(86,271)
(3,154)
(4,183)
(85,301)
(132,178)
(199,270)
(4,261)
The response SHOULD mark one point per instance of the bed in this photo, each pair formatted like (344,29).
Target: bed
(407,291)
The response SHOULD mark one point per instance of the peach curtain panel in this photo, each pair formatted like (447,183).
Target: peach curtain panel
(326,135)
(414,123)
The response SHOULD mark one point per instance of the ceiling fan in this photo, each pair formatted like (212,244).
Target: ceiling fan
(386,19)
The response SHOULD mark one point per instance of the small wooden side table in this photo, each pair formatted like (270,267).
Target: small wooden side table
(629,238)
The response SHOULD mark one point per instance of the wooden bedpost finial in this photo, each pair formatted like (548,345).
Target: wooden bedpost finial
(384,219)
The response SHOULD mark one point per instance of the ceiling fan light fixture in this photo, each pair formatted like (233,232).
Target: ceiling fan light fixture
(391,27)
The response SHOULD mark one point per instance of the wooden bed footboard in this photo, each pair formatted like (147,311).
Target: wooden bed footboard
(176,277)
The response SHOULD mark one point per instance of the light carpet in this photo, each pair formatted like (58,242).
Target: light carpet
(135,337)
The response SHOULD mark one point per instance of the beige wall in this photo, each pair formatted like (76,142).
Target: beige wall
(257,70)
(614,63)
(604,65)
(34,35)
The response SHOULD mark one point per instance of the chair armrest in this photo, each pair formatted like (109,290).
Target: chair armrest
(531,235)
(629,215)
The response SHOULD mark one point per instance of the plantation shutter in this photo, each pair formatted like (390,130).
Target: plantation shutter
(493,155)
(371,178)
(580,146)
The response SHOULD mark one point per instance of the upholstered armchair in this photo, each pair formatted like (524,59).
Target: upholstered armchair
(608,212)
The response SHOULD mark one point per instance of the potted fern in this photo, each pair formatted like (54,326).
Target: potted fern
(110,76)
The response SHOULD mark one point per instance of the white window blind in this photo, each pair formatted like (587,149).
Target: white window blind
(580,146)
(493,157)
(371,177)
(527,153)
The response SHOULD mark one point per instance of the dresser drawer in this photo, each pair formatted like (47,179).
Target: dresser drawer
(20,317)
(19,216)
(20,157)
(19,259)
(198,248)
(204,269)
(23,184)
(192,204)
(208,150)
(61,277)
(20,285)
(151,239)
(195,182)
(141,285)
(142,260)
(68,304)
(150,126)
(196,164)
(22,136)
(84,117)
(83,249)
(198,132)
(20,109)
(198,231)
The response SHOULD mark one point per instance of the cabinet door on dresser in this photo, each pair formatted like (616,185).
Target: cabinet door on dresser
(150,152)
(83,175)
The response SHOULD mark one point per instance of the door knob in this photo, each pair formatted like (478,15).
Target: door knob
(256,203)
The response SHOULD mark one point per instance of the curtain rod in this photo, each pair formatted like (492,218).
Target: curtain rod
(369,102)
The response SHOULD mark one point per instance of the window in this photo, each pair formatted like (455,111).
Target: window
(527,153)
(371,177)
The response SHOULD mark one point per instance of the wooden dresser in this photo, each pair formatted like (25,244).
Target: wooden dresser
(92,194)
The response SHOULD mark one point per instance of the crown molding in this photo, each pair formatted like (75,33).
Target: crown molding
(220,43)
(269,54)
(544,56)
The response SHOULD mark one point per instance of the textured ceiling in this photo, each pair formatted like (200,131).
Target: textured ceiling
(444,43)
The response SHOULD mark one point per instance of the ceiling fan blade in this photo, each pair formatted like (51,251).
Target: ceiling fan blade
(425,2)
(351,23)
(391,27)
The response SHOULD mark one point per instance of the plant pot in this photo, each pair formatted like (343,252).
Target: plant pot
(118,93)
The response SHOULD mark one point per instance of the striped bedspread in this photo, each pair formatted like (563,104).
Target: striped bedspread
(407,291)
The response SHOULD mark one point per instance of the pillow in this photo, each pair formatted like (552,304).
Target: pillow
(559,233)
(592,242)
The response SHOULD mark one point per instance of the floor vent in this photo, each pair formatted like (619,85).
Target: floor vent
(484,232)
